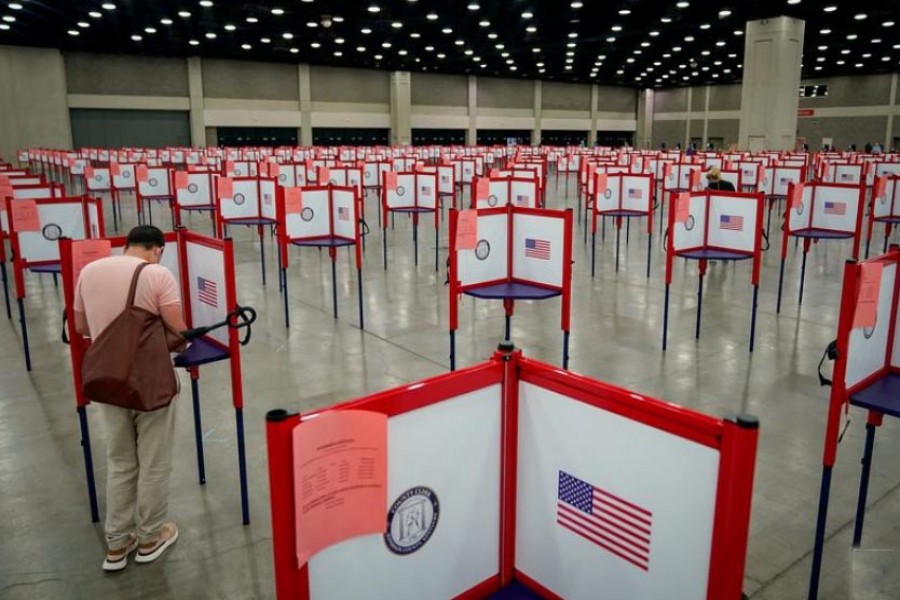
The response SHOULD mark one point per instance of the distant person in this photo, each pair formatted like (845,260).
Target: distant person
(868,148)
(662,146)
(826,148)
(678,146)
(806,147)
(876,148)
(710,147)
(714,181)
(139,444)
(852,148)
(691,150)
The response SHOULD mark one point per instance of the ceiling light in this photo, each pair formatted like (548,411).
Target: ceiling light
(724,13)
(616,28)
(818,68)
(360,48)
(295,50)
(287,36)
(645,44)
(431,16)
(374,9)
(9,19)
(206,3)
(852,36)
(166,21)
(653,34)
(315,45)
(683,4)
(110,6)
(378,57)
(252,20)
(338,53)
(415,35)
(459,42)
(473,6)
(492,36)
(446,30)
(386,45)
(194,43)
(246,46)
(484,23)
(15,6)
(610,39)
(95,14)
(181,13)
(83,24)
(867,55)
(312,24)
(442,55)
(665,20)
(396,24)
(704,26)
(830,8)
(793,1)
(366,31)
(738,32)
(72,32)
(135,37)
(211,36)
(689,38)
(531,29)
(570,53)
(266,40)
(840,62)
(676,49)
(845,51)
(527,15)
(338,40)
(624,11)
(337,19)
(150,29)
(577,5)
(876,41)
(822,48)
(429,48)
(469,52)
(860,16)
(825,31)
(720,43)
(820,59)
(573,35)
(705,53)
(887,24)
(230,27)
(500,46)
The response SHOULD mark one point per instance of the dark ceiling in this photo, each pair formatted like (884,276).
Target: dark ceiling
(641,43)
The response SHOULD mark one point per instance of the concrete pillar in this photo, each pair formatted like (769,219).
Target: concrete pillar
(401,108)
(687,120)
(472,131)
(595,110)
(892,108)
(706,118)
(305,134)
(195,91)
(538,100)
(644,133)
(773,50)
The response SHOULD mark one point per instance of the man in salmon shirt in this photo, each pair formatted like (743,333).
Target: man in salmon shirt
(139,444)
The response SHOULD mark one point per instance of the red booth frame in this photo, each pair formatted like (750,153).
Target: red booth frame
(735,438)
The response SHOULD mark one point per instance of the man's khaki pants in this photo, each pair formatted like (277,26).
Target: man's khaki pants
(139,462)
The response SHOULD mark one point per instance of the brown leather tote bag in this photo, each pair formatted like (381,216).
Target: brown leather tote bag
(128,365)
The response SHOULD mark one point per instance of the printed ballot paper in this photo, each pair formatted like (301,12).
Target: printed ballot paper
(340,478)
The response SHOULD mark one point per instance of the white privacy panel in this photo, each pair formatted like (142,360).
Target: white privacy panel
(692,232)
(452,449)
(426,190)
(800,214)
(608,197)
(867,348)
(64,219)
(732,222)
(267,191)
(125,180)
(665,484)
(488,261)
(889,204)
(635,192)
(343,206)
(313,219)
(198,191)
(523,193)
(836,208)
(157,184)
(404,195)
(445,179)
(206,288)
(244,203)
(99,181)
(538,248)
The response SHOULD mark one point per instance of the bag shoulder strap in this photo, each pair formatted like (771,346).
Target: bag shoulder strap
(134,282)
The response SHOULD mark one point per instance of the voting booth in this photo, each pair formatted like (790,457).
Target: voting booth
(510,476)
(413,194)
(865,375)
(320,217)
(248,201)
(714,226)
(35,225)
(622,197)
(821,212)
(510,254)
(884,207)
(494,191)
(204,269)
(194,192)
(154,184)
(775,183)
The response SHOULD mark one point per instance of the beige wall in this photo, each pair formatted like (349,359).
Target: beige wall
(33,109)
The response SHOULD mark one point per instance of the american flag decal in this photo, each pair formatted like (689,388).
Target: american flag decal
(207,292)
(426,190)
(731,222)
(521,199)
(836,208)
(343,213)
(635,193)
(614,524)
(846,177)
(535,248)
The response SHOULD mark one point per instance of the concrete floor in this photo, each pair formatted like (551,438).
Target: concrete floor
(50,548)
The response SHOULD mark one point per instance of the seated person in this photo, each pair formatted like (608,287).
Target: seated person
(715,182)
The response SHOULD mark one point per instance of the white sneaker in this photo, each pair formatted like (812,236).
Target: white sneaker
(168,535)
(116,561)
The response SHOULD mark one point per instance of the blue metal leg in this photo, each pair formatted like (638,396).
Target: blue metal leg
(699,306)
(262,254)
(437,242)
(593,254)
(287,312)
(602,229)
(868,245)
(24,324)
(334,283)
(753,317)
(507,327)
(384,246)
(802,275)
(864,484)
(666,318)
(780,285)
(627,231)
(242,465)
(565,350)
(649,252)
(819,544)
(452,350)
(359,288)
(198,427)
(415,240)
(88,463)
(618,236)
(6,288)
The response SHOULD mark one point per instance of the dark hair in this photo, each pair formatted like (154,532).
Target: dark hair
(146,236)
